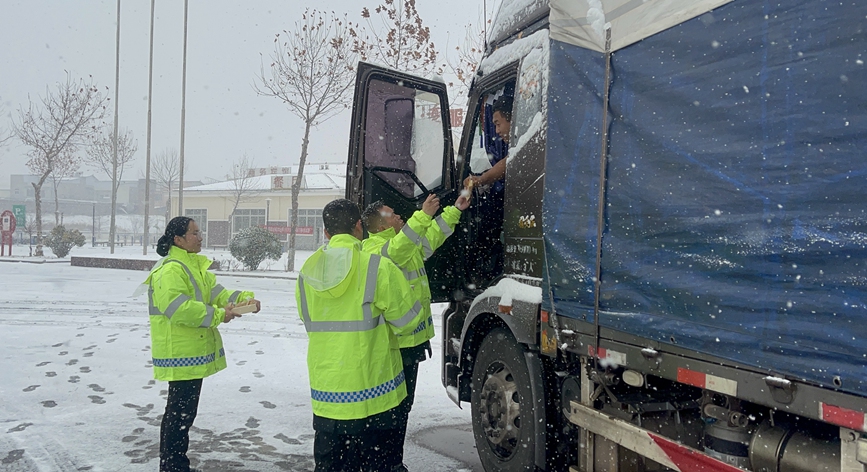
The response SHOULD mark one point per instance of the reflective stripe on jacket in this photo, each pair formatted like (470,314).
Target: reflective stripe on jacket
(352,305)
(408,249)
(185,304)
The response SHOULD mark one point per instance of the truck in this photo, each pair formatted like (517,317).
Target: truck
(673,273)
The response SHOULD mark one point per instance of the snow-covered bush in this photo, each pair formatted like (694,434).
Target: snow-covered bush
(61,240)
(253,245)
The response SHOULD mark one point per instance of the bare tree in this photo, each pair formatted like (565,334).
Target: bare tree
(312,70)
(244,186)
(63,121)
(157,225)
(101,155)
(396,37)
(166,170)
(99,224)
(136,225)
(66,165)
(5,134)
(30,228)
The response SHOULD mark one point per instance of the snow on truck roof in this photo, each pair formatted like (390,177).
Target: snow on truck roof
(514,15)
(584,22)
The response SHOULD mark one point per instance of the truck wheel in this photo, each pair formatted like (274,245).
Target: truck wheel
(502,405)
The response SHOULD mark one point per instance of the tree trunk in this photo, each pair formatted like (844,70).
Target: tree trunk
(296,189)
(169,204)
(37,197)
(231,226)
(237,202)
(56,205)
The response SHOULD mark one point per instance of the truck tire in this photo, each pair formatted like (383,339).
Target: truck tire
(501,404)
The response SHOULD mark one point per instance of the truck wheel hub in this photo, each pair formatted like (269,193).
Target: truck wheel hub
(501,411)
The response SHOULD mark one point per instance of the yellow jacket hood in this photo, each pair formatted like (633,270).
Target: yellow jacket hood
(327,270)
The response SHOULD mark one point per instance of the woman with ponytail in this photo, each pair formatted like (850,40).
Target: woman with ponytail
(186,304)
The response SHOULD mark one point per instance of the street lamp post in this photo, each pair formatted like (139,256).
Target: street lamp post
(183,116)
(93,227)
(148,159)
(267,211)
(114,184)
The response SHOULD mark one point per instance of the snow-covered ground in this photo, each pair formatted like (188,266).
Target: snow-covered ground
(78,394)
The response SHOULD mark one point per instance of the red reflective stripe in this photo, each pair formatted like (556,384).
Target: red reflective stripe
(710,382)
(691,377)
(843,417)
(688,460)
(591,350)
(544,316)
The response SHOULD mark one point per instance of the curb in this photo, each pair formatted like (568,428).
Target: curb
(223,273)
(40,261)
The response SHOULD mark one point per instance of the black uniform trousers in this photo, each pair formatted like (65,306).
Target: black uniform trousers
(412,356)
(181,409)
(362,445)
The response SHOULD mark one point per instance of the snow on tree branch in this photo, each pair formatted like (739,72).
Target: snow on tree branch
(312,71)
(396,37)
(312,67)
(100,151)
(61,121)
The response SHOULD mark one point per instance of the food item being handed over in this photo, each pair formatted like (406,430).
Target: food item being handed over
(248,306)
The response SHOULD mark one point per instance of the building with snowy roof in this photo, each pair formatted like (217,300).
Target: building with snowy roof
(264,198)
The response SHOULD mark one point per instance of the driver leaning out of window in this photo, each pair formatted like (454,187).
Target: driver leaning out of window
(502,119)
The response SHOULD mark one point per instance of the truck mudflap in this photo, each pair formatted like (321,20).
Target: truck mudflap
(669,453)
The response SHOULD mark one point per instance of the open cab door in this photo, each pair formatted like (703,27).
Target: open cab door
(400,151)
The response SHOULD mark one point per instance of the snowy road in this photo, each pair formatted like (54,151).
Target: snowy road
(78,392)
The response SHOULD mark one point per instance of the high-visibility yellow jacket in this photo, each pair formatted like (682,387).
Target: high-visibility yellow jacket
(185,304)
(352,305)
(408,249)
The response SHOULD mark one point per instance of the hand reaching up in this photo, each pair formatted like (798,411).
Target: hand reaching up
(431,205)
(463,202)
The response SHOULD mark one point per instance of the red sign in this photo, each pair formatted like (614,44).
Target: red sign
(286,230)
(457,117)
(7,223)
(7,227)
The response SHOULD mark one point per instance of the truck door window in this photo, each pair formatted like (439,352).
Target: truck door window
(404,132)
(487,148)
(479,160)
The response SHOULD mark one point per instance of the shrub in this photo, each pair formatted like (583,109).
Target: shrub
(61,240)
(253,245)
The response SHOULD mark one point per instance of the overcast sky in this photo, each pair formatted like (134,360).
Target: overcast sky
(227,39)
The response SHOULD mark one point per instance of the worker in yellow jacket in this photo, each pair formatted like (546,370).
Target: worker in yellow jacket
(408,245)
(186,304)
(353,305)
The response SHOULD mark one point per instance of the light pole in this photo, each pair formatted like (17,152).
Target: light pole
(267,211)
(183,115)
(148,164)
(112,227)
(93,227)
